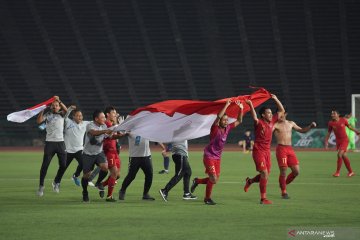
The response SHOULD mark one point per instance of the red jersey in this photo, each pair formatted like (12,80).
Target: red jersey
(263,133)
(109,144)
(339,129)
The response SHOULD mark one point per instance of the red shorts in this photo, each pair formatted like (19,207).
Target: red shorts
(113,160)
(286,156)
(212,166)
(342,145)
(262,159)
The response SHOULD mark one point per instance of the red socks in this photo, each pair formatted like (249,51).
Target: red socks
(263,182)
(256,178)
(111,185)
(282,182)
(347,164)
(339,163)
(209,187)
(202,180)
(290,178)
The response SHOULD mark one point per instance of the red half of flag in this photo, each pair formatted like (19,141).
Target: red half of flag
(178,120)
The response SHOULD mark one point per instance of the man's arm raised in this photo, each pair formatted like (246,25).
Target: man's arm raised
(240,116)
(280,107)
(252,110)
(222,112)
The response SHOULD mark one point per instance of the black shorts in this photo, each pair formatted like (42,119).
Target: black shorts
(89,161)
(54,147)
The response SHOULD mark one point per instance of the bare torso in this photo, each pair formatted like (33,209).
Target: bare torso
(283,131)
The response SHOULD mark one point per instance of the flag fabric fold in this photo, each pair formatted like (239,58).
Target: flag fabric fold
(178,120)
(24,115)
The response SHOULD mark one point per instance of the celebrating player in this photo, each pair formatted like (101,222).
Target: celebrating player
(284,152)
(261,152)
(111,153)
(139,157)
(74,132)
(338,124)
(54,142)
(182,170)
(212,152)
(93,149)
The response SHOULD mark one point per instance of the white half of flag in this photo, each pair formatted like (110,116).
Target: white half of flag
(24,115)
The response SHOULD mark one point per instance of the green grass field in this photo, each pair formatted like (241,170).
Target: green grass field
(317,200)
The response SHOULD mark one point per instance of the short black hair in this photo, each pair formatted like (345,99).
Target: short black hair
(75,111)
(262,110)
(97,113)
(335,110)
(109,109)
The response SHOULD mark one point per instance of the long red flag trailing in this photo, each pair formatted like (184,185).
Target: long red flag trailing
(24,115)
(177,120)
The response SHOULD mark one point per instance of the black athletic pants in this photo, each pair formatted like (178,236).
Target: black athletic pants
(69,158)
(182,170)
(135,163)
(50,149)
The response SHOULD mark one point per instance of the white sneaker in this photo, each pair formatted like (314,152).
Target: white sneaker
(40,191)
(91,184)
(56,187)
(189,196)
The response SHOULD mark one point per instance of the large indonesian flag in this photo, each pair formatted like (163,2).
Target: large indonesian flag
(24,115)
(178,120)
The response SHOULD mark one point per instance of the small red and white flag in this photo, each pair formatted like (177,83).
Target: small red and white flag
(24,115)
(178,120)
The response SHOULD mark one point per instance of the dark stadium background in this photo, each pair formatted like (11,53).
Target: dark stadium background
(131,53)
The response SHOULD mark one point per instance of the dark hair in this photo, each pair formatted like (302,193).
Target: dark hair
(262,110)
(335,110)
(109,109)
(96,114)
(75,111)
(223,115)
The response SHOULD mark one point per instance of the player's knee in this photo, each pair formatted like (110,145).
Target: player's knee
(114,174)
(264,174)
(87,175)
(341,154)
(104,167)
(213,179)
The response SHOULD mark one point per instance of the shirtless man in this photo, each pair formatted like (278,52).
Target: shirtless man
(284,153)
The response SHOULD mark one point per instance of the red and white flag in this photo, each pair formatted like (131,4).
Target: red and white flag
(24,115)
(178,120)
